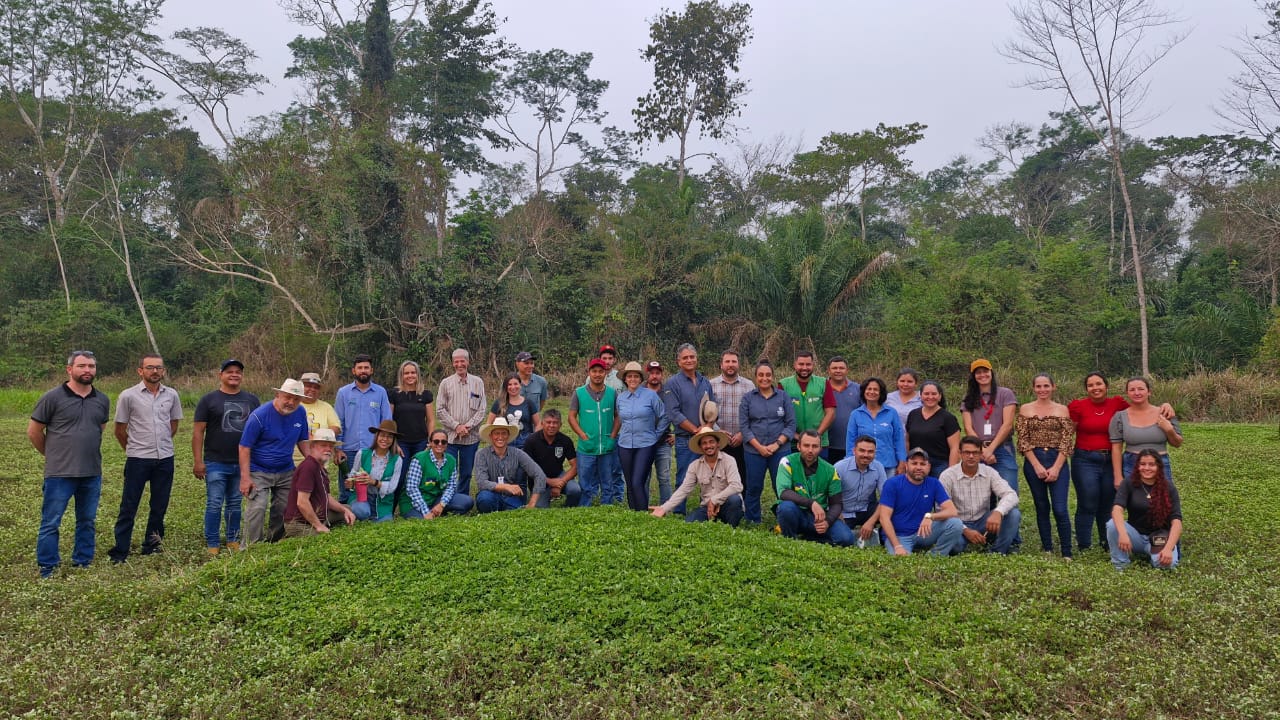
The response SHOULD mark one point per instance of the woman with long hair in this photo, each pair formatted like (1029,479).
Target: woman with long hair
(1141,427)
(643,418)
(874,419)
(413,408)
(934,429)
(988,411)
(767,420)
(1045,435)
(1154,524)
(907,397)
(375,475)
(516,408)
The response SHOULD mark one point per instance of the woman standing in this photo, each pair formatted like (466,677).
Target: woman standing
(874,419)
(413,409)
(432,482)
(516,408)
(643,418)
(375,475)
(767,420)
(1141,427)
(1154,524)
(1045,434)
(988,411)
(933,428)
(906,398)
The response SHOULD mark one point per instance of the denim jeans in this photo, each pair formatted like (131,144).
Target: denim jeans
(1003,542)
(58,491)
(488,501)
(1050,496)
(221,499)
(1130,460)
(1095,493)
(459,505)
(796,521)
(571,492)
(753,483)
(138,473)
(367,510)
(636,463)
(662,455)
(466,455)
(1007,467)
(684,458)
(730,512)
(268,488)
(946,537)
(595,476)
(1141,546)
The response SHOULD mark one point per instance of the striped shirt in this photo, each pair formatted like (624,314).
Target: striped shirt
(461,401)
(971,494)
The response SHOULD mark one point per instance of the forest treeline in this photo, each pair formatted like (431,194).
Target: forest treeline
(371,216)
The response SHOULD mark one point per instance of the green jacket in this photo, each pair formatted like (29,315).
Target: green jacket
(433,482)
(818,487)
(808,405)
(596,420)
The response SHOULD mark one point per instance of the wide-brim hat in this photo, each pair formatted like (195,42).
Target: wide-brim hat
(324,435)
(695,440)
(633,367)
(708,410)
(499,423)
(386,426)
(292,387)
(310,377)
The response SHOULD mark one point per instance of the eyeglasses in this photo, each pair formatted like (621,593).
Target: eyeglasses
(439,442)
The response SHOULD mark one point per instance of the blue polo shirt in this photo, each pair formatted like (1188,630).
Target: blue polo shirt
(271,438)
(910,501)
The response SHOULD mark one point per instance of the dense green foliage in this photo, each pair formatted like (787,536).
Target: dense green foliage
(608,613)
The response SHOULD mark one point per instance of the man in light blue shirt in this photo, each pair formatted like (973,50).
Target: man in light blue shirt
(862,479)
(360,405)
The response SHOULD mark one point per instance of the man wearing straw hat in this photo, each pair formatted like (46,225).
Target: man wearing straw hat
(309,505)
(266,459)
(715,474)
(506,478)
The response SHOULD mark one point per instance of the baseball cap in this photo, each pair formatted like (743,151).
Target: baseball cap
(311,378)
(917,451)
(229,362)
(596,362)
(607,349)
(654,365)
(524,357)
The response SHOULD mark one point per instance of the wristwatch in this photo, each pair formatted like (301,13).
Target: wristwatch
(928,516)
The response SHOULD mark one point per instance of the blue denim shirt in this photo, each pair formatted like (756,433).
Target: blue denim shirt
(681,398)
(358,411)
(885,427)
(766,419)
(643,418)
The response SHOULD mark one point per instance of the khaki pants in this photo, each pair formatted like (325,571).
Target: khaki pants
(298,528)
(272,488)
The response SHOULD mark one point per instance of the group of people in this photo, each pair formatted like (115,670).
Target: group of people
(904,472)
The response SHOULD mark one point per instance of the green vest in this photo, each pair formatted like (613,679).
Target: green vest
(385,505)
(809,404)
(433,482)
(596,420)
(819,486)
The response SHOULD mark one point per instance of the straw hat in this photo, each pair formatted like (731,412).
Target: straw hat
(632,367)
(695,440)
(708,410)
(324,435)
(500,423)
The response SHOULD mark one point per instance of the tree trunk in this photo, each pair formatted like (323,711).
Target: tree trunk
(1137,260)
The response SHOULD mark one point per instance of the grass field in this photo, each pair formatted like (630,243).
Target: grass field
(607,613)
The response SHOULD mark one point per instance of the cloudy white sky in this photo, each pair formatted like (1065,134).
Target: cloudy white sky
(817,66)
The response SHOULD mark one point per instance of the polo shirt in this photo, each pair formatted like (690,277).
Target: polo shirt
(72,431)
(271,438)
(551,457)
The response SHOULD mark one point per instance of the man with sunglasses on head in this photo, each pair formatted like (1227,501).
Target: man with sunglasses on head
(66,428)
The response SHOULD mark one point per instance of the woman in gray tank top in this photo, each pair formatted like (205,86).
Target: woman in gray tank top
(1141,427)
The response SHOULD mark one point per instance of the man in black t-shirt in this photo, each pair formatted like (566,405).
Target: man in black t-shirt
(215,451)
(552,450)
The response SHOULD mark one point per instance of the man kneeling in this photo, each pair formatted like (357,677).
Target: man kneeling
(971,486)
(810,495)
(715,474)
(307,511)
(508,479)
(916,512)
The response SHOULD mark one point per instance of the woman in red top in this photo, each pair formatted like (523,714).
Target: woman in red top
(1091,472)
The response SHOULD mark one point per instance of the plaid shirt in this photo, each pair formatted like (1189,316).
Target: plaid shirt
(729,399)
(972,494)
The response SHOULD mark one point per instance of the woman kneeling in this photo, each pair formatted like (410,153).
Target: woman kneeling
(1155,515)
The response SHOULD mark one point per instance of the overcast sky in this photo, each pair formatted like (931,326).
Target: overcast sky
(817,66)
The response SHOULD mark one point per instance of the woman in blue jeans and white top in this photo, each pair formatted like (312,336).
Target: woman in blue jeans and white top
(1045,438)
(988,411)
(767,420)
(1141,427)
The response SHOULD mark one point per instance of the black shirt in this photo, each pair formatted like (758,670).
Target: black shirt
(224,417)
(931,435)
(409,410)
(1137,502)
(550,457)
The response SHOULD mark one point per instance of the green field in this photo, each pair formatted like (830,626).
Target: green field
(607,613)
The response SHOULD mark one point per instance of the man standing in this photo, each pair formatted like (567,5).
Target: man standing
(810,496)
(808,392)
(716,478)
(729,388)
(916,512)
(665,450)
(266,459)
(361,404)
(147,416)
(593,417)
(971,486)
(533,386)
(844,396)
(215,452)
(320,414)
(66,428)
(506,478)
(609,355)
(309,504)
(683,396)
(553,451)
(862,479)
(460,407)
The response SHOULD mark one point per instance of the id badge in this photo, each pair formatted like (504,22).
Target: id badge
(986,430)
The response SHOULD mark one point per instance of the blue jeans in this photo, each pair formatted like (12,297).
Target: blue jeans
(595,476)
(684,458)
(571,492)
(459,505)
(662,454)
(466,455)
(488,501)
(367,511)
(221,498)
(1050,496)
(796,521)
(730,512)
(753,483)
(636,464)
(1007,467)
(1130,460)
(58,491)
(1095,493)
(138,473)
(1141,546)
(1003,541)
(946,538)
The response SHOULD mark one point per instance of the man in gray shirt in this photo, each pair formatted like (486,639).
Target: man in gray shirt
(66,428)
(507,478)
(147,416)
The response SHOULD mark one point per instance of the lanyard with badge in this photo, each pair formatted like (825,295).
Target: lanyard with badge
(987,432)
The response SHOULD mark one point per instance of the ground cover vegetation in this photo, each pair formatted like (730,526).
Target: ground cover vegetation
(339,225)
(607,613)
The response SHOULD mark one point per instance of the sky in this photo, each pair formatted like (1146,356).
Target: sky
(815,66)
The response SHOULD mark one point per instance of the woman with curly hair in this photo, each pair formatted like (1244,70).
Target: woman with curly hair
(1154,524)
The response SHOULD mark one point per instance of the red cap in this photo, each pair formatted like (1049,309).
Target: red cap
(606,349)
(597,362)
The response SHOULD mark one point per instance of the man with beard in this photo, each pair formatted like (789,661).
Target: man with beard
(307,510)
(917,512)
(665,449)
(360,405)
(266,459)
(147,416)
(460,407)
(808,392)
(215,452)
(844,396)
(553,451)
(729,388)
(66,429)
(810,496)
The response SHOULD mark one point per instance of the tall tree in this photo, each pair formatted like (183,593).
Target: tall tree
(1098,53)
(695,56)
(1252,103)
